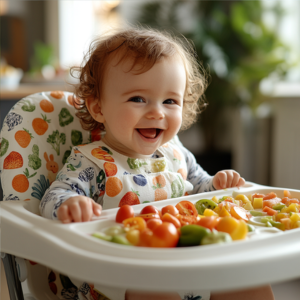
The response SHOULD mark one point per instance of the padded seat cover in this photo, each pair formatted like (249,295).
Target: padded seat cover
(36,139)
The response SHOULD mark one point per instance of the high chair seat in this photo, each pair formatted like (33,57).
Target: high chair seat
(36,138)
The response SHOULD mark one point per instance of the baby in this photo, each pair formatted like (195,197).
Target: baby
(140,87)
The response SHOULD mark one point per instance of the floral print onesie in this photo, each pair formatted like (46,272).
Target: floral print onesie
(112,180)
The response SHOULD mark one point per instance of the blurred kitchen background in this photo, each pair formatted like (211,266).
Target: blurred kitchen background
(251,50)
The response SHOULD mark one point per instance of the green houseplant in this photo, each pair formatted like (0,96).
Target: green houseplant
(234,45)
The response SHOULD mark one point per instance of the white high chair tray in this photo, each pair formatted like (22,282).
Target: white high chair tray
(267,257)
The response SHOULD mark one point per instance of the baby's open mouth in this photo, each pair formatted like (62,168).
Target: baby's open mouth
(149,133)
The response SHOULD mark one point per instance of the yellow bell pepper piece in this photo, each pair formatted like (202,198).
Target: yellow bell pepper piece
(295,217)
(215,199)
(224,212)
(257,203)
(248,206)
(240,232)
(217,210)
(292,208)
(242,197)
(209,213)
(280,216)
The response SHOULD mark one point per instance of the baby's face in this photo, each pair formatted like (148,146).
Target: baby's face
(142,112)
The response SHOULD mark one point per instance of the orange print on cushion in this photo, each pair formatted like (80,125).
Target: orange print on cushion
(165,145)
(40,126)
(177,154)
(101,154)
(183,173)
(23,137)
(13,160)
(110,169)
(57,94)
(46,106)
(20,182)
(113,186)
(130,198)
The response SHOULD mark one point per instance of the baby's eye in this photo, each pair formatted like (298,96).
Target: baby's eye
(169,101)
(137,99)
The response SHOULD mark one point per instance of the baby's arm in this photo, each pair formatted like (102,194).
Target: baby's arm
(77,182)
(203,182)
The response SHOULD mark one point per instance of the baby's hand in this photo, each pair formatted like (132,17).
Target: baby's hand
(78,209)
(227,179)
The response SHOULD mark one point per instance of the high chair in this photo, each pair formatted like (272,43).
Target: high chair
(36,139)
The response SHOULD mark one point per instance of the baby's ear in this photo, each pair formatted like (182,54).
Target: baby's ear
(94,107)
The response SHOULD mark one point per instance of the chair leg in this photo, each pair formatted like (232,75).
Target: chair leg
(13,282)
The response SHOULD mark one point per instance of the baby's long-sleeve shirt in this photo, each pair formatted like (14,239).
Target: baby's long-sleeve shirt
(81,176)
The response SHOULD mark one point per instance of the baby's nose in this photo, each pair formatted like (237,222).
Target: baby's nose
(155,112)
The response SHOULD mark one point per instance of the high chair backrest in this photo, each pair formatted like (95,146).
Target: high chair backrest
(36,139)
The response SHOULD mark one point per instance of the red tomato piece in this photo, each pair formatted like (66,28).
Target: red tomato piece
(270,196)
(145,238)
(150,216)
(240,213)
(124,212)
(171,209)
(149,209)
(152,223)
(187,208)
(209,222)
(271,202)
(287,201)
(258,196)
(171,219)
(186,220)
(164,235)
(270,211)
(135,223)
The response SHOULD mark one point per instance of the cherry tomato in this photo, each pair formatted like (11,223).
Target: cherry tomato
(187,208)
(186,220)
(209,222)
(171,219)
(187,212)
(124,212)
(171,209)
(164,235)
(152,223)
(135,223)
(149,209)
(145,238)
(150,216)
(240,213)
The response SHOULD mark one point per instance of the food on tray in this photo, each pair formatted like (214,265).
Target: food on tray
(208,221)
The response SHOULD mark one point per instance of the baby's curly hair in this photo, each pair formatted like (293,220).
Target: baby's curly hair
(145,47)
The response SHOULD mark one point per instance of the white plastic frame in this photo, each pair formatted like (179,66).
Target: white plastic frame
(264,258)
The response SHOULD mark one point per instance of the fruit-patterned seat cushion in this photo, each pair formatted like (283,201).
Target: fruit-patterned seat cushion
(36,139)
